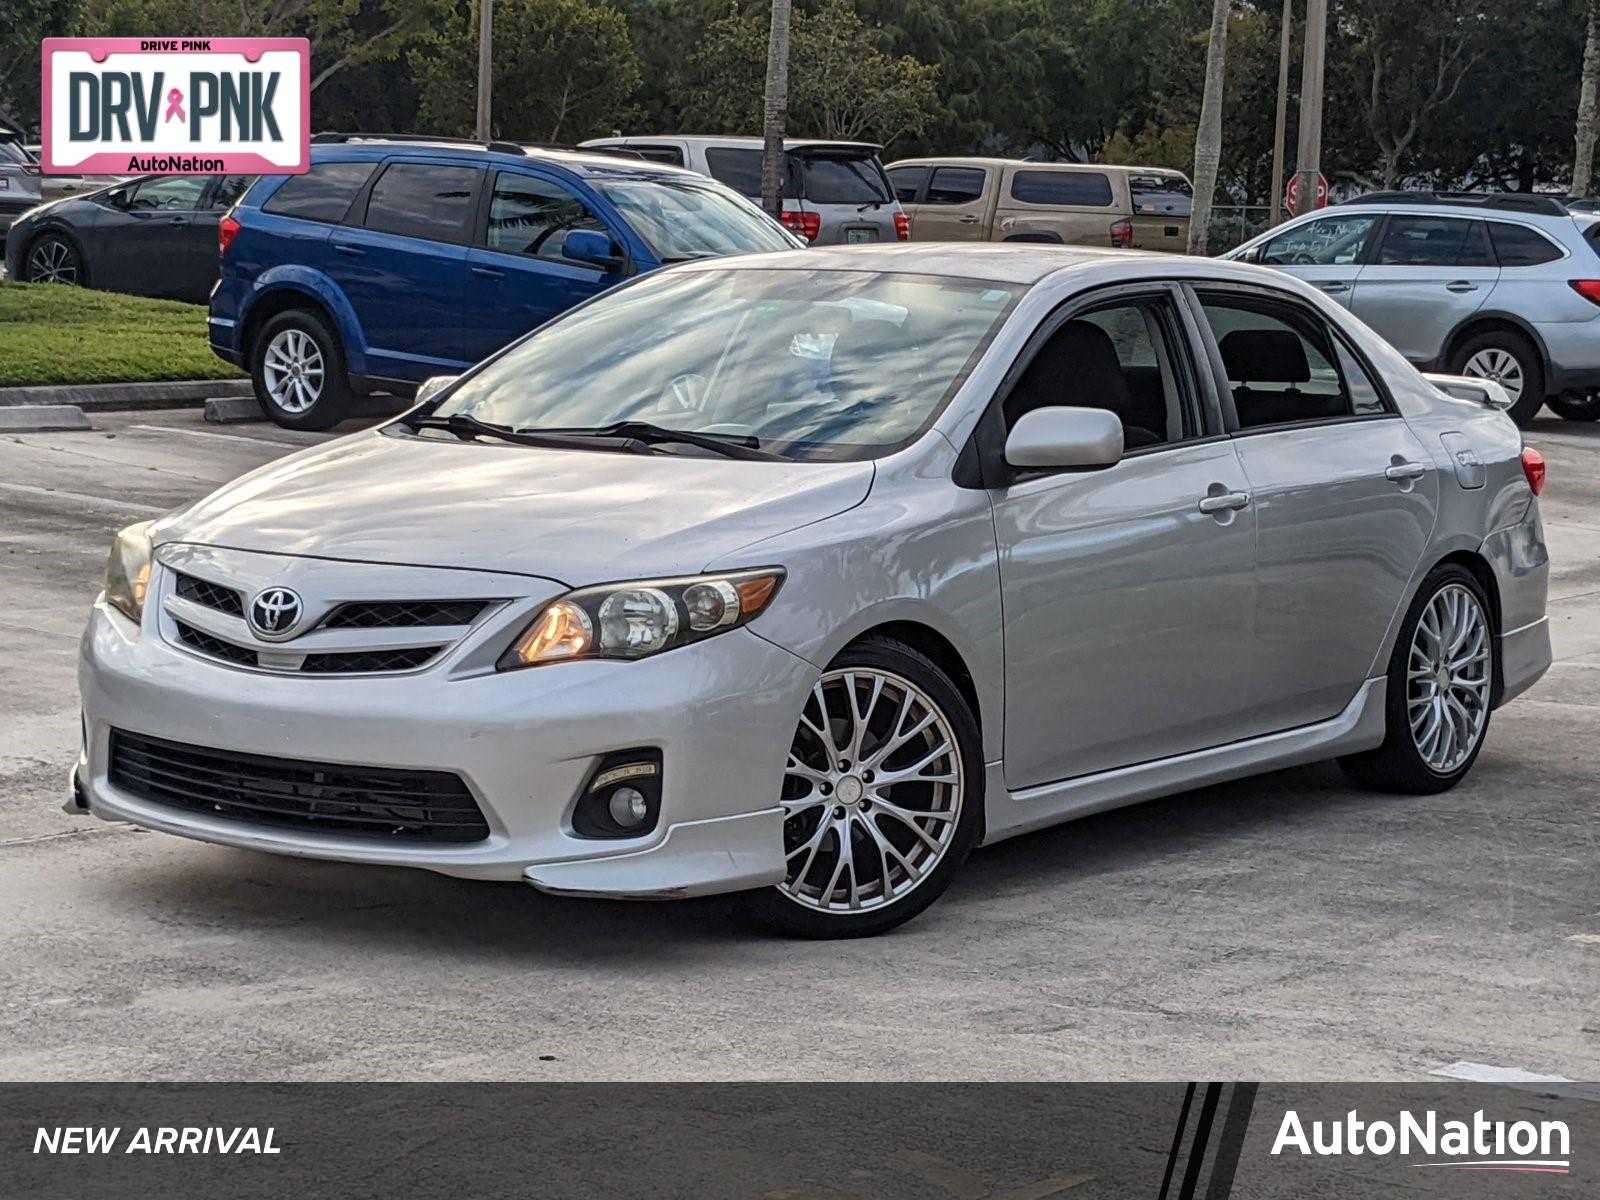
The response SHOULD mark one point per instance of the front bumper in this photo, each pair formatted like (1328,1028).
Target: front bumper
(721,711)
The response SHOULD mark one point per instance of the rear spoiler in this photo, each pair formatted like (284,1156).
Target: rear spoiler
(1466,387)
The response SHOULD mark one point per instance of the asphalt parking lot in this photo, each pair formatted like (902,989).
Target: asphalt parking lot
(1287,927)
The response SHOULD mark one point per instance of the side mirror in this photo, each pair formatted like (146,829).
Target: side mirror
(592,246)
(1065,437)
(120,197)
(432,386)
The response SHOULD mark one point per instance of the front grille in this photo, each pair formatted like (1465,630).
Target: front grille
(211,595)
(349,662)
(370,802)
(215,647)
(403,614)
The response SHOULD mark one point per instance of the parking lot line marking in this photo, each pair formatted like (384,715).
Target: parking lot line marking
(1475,1072)
(80,498)
(1585,939)
(221,437)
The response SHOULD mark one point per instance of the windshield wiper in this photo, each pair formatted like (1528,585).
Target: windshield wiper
(732,445)
(469,428)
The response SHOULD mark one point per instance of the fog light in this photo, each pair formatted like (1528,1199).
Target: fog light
(628,807)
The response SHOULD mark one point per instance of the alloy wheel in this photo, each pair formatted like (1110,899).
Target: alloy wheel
(1497,366)
(872,792)
(292,370)
(1448,673)
(52,261)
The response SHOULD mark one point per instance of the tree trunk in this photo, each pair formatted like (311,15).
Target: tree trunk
(1208,138)
(1583,160)
(775,110)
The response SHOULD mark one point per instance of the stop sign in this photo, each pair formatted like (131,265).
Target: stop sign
(1292,200)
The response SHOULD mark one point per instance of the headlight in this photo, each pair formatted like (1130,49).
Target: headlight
(635,620)
(128,571)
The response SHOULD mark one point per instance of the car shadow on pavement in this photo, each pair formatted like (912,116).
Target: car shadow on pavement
(412,912)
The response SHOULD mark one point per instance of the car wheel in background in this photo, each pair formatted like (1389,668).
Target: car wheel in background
(1440,687)
(882,793)
(54,258)
(298,372)
(1509,360)
(1576,406)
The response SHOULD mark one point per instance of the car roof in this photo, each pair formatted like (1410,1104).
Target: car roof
(732,140)
(577,161)
(1003,262)
(973,160)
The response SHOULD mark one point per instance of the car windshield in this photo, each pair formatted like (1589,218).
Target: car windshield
(814,364)
(686,220)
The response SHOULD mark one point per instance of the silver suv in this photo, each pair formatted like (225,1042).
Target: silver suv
(834,193)
(19,183)
(1500,286)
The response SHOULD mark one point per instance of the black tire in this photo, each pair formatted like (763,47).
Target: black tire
(334,396)
(775,908)
(1398,765)
(1576,406)
(1528,362)
(48,245)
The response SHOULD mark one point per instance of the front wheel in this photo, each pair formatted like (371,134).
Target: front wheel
(54,259)
(298,372)
(1509,360)
(1440,688)
(882,795)
(1576,406)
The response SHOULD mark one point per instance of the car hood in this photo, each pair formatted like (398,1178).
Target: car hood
(574,516)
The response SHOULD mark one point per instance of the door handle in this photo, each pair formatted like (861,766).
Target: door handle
(969,219)
(1461,285)
(488,273)
(1224,502)
(1404,470)
(1333,289)
(350,251)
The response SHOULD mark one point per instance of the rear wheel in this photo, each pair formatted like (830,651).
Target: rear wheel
(1440,687)
(1510,360)
(54,259)
(882,795)
(298,372)
(1576,406)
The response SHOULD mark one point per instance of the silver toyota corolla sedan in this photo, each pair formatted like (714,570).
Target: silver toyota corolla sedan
(801,575)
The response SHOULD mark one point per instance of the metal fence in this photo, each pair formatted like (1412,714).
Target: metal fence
(1234,224)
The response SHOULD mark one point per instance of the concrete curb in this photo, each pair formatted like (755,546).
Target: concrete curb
(42,418)
(233,410)
(114,397)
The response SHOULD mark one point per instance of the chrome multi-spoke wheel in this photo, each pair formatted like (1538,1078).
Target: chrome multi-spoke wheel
(872,792)
(1448,677)
(52,261)
(293,370)
(1499,366)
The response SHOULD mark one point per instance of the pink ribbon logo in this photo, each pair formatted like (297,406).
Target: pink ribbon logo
(175,105)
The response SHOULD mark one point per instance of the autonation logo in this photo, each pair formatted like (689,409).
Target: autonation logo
(1476,1145)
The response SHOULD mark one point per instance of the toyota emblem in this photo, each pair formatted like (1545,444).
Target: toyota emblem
(275,612)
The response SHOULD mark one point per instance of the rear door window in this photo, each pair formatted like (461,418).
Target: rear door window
(323,193)
(423,200)
(955,185)
(228,190)
(1084,189)
(907,182)
(825,179)
(1519,246)
(1434,242)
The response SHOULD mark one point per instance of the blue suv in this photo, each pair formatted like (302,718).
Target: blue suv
(393,260)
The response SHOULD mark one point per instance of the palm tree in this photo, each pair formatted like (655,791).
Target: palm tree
(775,110)
(1583,160)
(1208,137)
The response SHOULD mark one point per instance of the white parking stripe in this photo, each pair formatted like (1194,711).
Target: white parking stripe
(1473,1072)
(80,498)
(235,438)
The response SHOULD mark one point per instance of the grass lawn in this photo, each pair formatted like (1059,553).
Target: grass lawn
(55,334)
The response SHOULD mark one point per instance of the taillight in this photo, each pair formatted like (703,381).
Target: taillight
(1122,233)
(902,227)
(1533,469)
(1589,289)
(807,224)
(227,230)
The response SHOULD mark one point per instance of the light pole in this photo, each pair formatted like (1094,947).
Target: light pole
(1280,126)
(485,59)
(1308,164)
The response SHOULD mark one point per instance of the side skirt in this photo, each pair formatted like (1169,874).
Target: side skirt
(1358,727)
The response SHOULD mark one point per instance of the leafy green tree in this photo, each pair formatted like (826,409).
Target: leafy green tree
(564,70)
(23,23)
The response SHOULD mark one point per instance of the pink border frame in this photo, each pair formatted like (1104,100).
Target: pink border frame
(116,163)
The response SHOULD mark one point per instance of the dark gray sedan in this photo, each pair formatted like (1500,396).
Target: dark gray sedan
(151,236)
